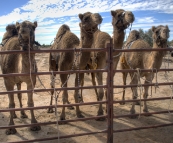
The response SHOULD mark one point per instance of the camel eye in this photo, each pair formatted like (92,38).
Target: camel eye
(86,19)
(33,27)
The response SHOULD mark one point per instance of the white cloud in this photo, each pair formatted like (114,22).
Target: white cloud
(50,14)
(39,10)
(145,20)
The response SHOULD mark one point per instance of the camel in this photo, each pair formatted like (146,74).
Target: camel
(133,36)
(146,60)
(62,61)
(121,20)
(65,61)
(19,37)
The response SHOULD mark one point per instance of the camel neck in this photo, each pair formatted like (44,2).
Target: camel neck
(118,38)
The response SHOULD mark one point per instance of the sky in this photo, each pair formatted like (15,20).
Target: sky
(51,14)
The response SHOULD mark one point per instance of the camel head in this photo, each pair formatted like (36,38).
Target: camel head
(134,35)
(10,32)
(122,19)
(26,34)
(90,21)
(160,34)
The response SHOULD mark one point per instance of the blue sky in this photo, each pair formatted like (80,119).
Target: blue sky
(51,14)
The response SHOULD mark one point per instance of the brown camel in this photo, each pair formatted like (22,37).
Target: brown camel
(65,61)
(62,61)
(146,60)
(121,20)
(133,36)
(11,31)
(19,63)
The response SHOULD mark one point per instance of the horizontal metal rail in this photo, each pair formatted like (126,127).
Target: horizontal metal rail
(143,114)
(146,127)
(52,89)
(60,137)
(148,99)
(54,50)
(53,72)
(52,106)
(55,122)
(143,50)
(149,84)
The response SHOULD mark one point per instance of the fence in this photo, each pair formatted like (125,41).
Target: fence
(109,87)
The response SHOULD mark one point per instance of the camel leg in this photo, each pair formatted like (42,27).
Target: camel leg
(94,84)
(50,109)
(64,95)
(99,77)
(31,104)
(77,96)
(145,95)
(134,94)
(22,112)
(52,67)
(11,105)
(124,83)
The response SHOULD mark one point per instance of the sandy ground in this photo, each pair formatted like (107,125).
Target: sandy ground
(156,135)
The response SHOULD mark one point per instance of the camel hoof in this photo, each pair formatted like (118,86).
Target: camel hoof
(133,117)
(122,103)
(14,115)
(138,103)
(11,131)
(23,116)
(35,128)
(147,113)
(70,108)
(62,119)
(50,110)
(101,119)
(80,116)
(80,100)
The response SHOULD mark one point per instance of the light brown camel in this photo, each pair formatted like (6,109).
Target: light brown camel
(121,20)
(62,61)
(133,36)
(146,60)
(19,63)
(11,31)
(88,25)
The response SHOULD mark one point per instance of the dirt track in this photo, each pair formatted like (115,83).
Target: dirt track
(159,135)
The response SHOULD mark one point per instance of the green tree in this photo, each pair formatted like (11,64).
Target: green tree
(170,43)
(147,36)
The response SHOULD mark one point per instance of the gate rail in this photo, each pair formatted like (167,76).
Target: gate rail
(109,86)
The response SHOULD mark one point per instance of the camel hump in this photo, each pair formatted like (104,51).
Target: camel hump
(62,30)
(70,40)
(10,32)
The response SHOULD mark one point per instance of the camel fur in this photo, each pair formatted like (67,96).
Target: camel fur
(65,61)
(19,37)
(121,20)
(133,36)
(146,60)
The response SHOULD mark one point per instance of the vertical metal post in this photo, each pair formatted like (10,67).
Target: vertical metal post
(110,93)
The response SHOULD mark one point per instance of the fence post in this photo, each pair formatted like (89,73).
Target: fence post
(110,76)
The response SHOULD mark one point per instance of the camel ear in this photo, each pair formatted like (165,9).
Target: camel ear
(167,28)
(153,28)
(80,16)
(35,23)
(17,25)
(113,13)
